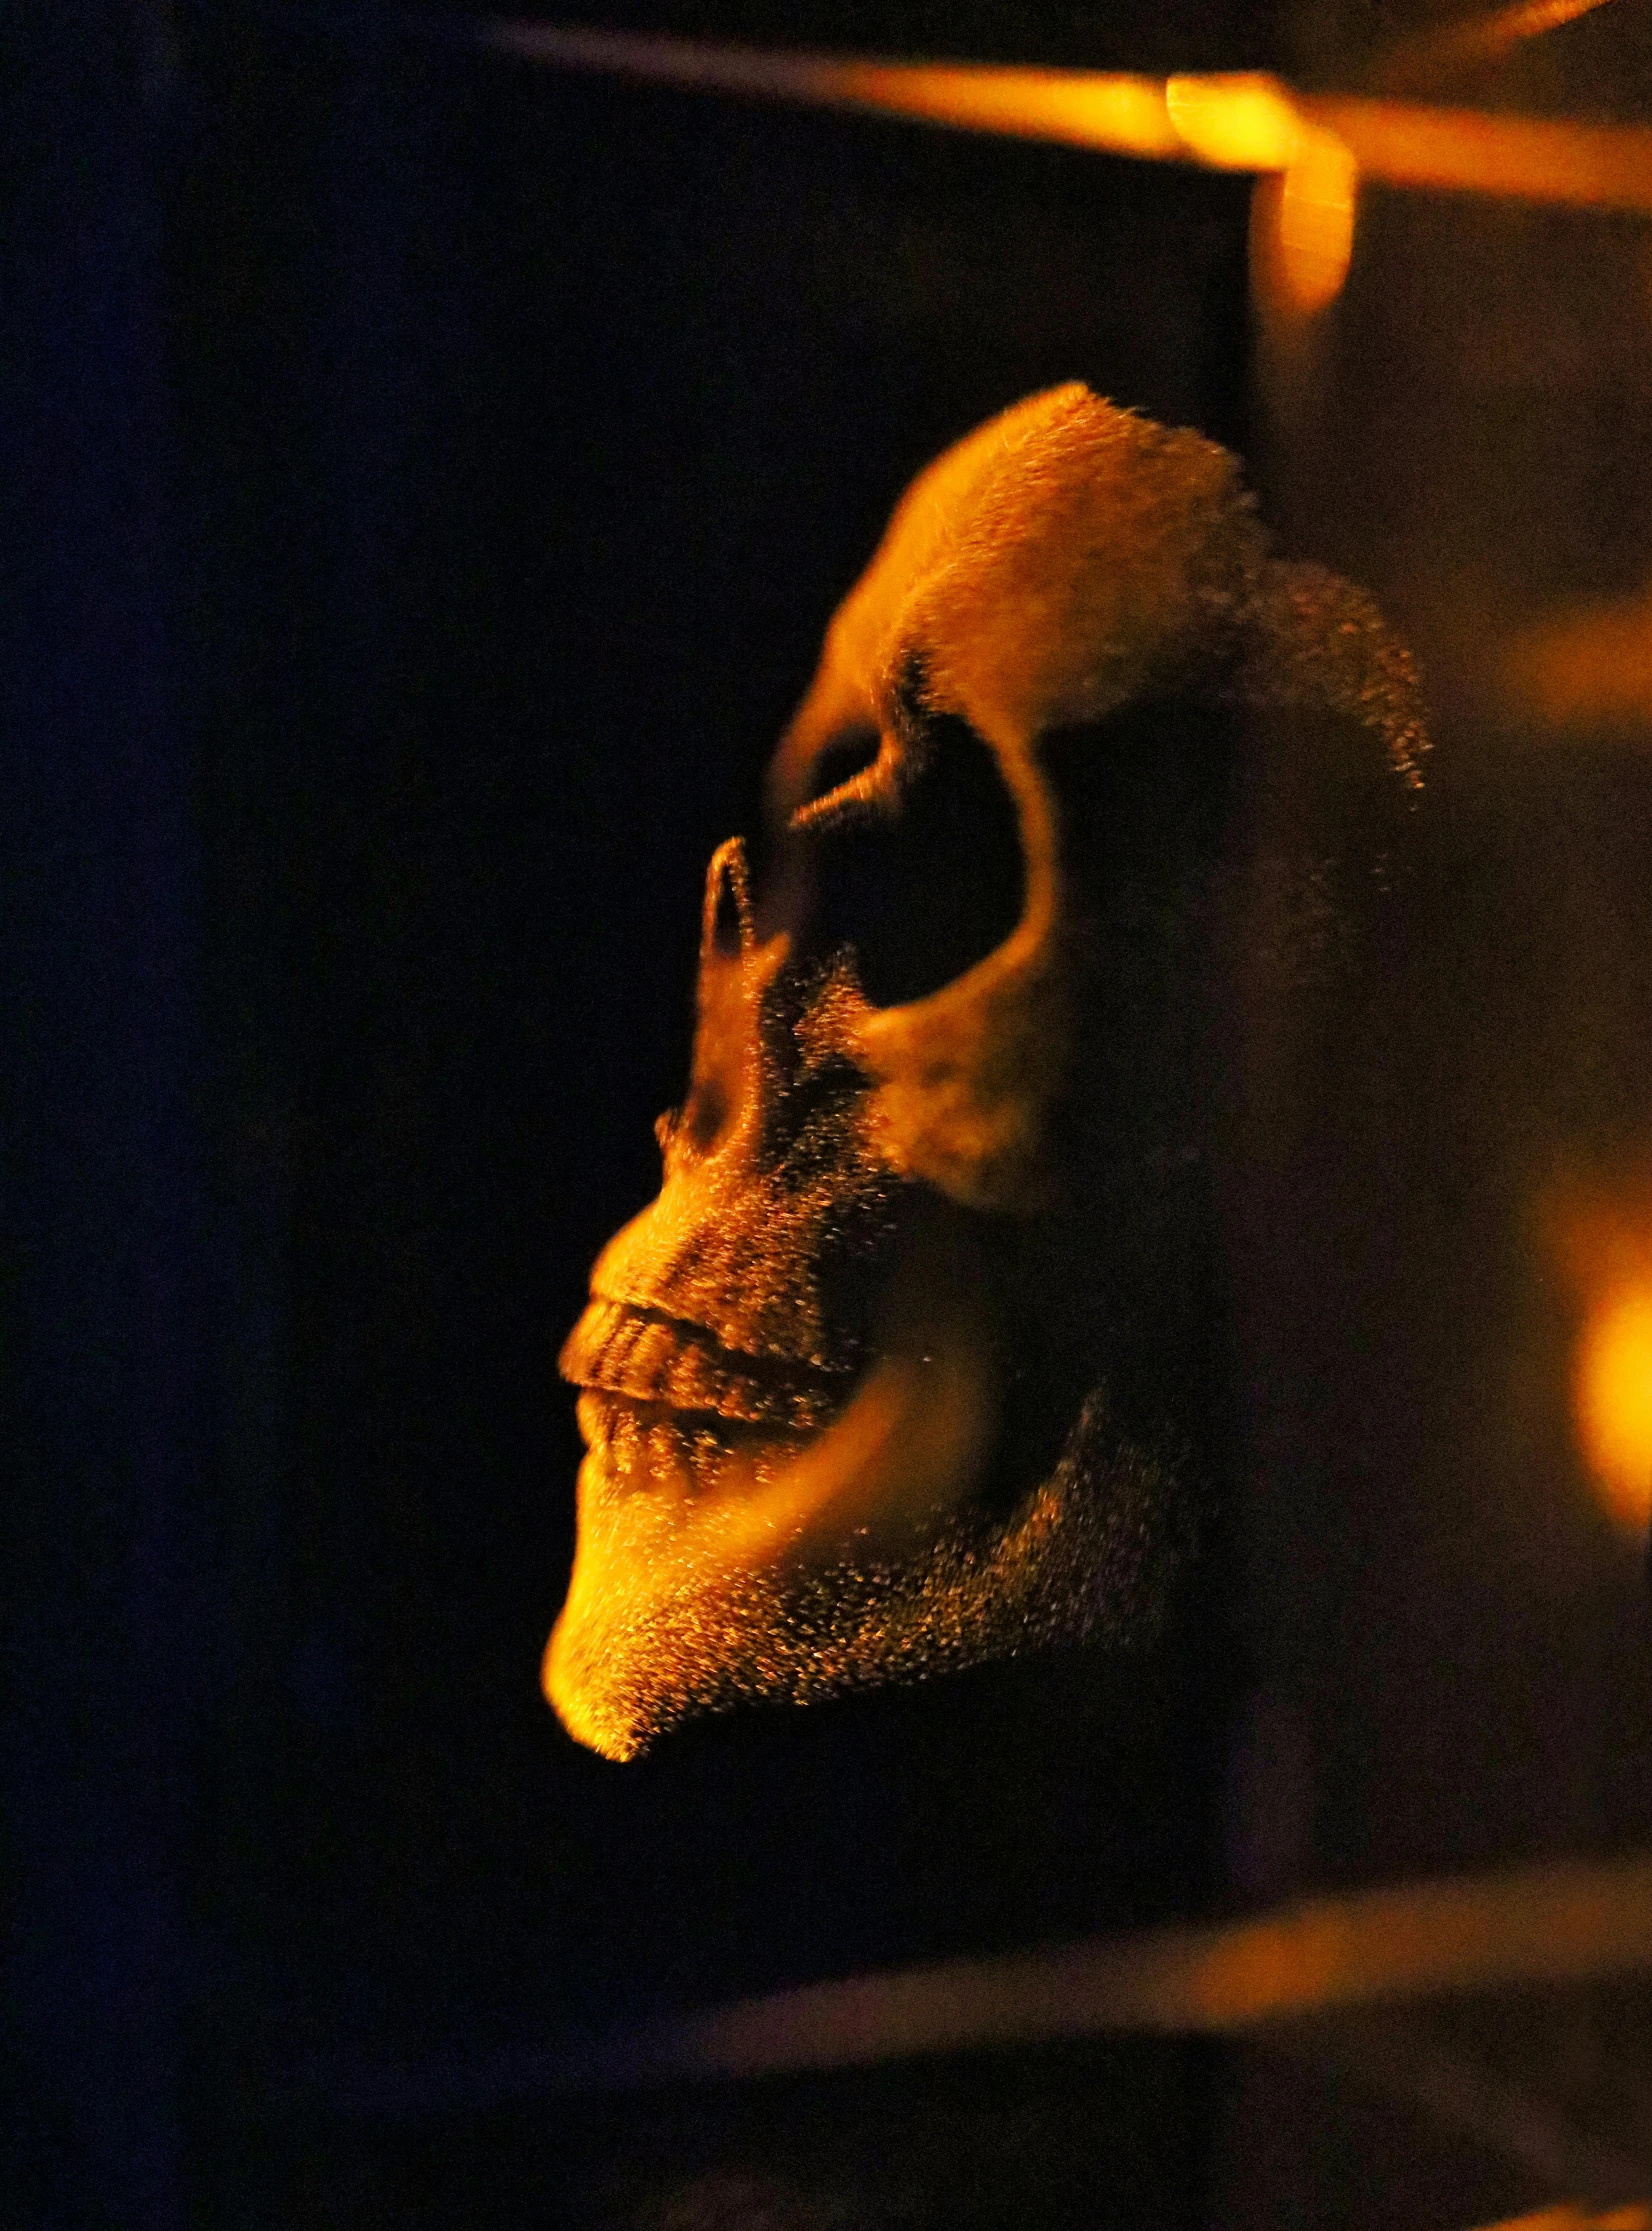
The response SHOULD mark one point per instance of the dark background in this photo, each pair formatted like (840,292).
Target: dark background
(428,479)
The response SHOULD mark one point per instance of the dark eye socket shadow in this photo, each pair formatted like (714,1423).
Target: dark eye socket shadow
(922,894)
(846,756)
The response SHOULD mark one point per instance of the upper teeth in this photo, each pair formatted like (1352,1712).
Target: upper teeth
(659,1359)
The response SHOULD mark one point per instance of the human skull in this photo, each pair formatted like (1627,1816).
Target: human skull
(902,1370)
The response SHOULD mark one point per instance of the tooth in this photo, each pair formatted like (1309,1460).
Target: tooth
(606,1330)
(649,1362)
(583,1344)
(696,1381)
(614,1347)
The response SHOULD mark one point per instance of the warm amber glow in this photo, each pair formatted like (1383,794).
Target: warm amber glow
(1316,221)
(1111,110)
(1570,2217)
(1613,1393)
(1540,1925)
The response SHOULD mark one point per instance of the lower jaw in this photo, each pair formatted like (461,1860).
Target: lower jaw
(672,1613)
(659,1487)
(698,1544)
(684,1460)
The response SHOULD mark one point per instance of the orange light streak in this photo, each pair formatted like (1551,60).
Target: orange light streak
(1220,121)
(1119,114)
(1570,1923)
(1109,110)
(1570,2217)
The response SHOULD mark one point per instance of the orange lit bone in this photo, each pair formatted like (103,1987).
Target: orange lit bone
(1521,158)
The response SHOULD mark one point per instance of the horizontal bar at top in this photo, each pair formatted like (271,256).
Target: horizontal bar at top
(1108,110)
(1397,143)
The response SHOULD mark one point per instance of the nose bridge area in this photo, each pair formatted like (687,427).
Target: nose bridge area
(726,1084)
(726,921)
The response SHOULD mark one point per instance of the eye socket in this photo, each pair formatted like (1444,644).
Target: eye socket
(857,775)
(853,753)
(866,770)
(930,882)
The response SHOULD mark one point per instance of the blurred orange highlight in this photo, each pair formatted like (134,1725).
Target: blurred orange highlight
(1605,1242)
(1538,1925)
(1238,121)
(1111,110)
(1302,227)
(1316,221)
(1569,2217)
(1613,1395)
(1422,60)
(1589,666)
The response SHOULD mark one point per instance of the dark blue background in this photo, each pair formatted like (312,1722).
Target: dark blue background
(425,484)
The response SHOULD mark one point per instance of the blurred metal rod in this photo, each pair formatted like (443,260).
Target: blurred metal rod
(1524,158)
(1227,121)
(1541,1925)
(1109,110)
(1573,1923)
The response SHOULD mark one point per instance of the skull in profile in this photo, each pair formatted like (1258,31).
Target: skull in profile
(910,1365)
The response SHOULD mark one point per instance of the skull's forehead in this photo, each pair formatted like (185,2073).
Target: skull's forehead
(1058,562)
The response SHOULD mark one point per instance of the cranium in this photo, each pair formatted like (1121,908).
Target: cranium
(902,1369)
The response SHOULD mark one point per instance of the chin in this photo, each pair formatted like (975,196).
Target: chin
(717,1570)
